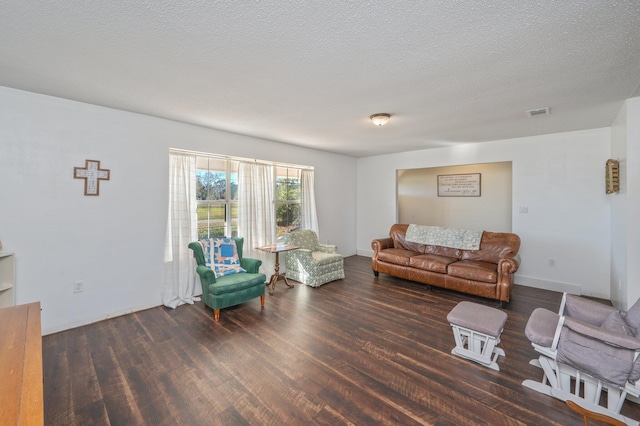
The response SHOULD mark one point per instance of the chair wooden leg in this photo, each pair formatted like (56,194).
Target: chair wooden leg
(262,300)
(216,315)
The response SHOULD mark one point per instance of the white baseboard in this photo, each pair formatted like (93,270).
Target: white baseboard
(366,253)
(76,324)
(548,285)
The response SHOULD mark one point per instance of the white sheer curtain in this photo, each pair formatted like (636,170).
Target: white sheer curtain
(178,280)
(308,214)
(256,218)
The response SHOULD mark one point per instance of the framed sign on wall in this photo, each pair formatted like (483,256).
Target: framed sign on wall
(612,176)
(463,185)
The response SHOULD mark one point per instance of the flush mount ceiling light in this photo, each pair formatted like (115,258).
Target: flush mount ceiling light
(380,119)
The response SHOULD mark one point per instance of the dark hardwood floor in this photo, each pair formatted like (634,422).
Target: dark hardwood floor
(360,351)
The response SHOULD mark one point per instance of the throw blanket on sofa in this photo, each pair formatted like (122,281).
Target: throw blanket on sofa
(465,239)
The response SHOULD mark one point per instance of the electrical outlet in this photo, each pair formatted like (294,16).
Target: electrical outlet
(552,262)
(78,286)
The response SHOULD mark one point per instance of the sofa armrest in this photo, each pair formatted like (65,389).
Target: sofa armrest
(328,248)
(251,265)
(295,258)
(381,244)
(509,264)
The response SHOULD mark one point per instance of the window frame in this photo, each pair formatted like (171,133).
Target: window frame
(232,204)
(228,203)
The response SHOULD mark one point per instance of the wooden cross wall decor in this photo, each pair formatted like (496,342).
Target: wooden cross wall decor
(92,175)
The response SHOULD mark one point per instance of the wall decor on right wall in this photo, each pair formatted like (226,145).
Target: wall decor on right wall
(612,176)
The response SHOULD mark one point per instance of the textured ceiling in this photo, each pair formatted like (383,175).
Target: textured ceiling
(310,73)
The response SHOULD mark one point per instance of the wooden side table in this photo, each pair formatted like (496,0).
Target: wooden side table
(277,276)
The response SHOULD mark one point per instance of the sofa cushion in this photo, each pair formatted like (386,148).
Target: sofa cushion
(321,258)
(493,247)
(236,282)
(396,256)
(443,251)
(431,262)
(474,270)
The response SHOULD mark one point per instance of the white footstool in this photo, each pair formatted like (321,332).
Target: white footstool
(477,329)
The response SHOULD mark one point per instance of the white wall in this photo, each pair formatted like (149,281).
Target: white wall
(619,215)
(625,207)
(419,203)
(558,177)
(633,202)
(114,242)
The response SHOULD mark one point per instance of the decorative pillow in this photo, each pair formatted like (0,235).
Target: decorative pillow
(224,257)
(206,245)
(615,324)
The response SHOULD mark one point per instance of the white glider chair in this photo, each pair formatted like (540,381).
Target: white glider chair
(314,264)
(586,349)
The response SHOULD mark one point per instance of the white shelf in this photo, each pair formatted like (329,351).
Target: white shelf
(7,280)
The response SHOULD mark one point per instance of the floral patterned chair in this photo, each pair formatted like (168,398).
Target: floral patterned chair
(313,264)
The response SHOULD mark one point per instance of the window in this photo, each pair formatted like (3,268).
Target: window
(287,200)
(217,197)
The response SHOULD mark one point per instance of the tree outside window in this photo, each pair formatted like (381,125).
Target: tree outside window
(217,197)
(287,200)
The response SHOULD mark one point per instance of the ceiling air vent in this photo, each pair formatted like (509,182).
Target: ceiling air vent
(539,111)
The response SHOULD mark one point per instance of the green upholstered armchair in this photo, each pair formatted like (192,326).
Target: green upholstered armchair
(313,264)
(233,289)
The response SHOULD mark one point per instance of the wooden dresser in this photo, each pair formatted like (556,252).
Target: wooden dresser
(21,391)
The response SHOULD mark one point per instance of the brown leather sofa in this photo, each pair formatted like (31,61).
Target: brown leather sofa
(487,272)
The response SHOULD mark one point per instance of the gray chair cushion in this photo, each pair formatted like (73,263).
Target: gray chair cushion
(615,324)
(541,327)
(610,363)
(486,320)
(586,310)
(633,316)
